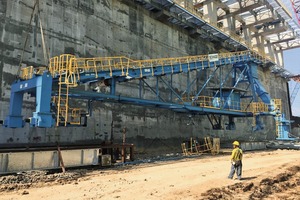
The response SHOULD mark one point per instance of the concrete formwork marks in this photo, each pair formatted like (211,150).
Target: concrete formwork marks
(89,28)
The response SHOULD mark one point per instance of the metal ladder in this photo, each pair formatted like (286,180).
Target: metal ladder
(66,80)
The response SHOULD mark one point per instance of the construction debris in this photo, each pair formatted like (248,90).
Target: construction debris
(193,146)
(265,188)
(25,180)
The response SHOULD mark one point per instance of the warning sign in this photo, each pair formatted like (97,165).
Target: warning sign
(213,57)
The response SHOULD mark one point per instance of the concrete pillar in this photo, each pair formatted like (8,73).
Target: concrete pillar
(229,24)
(188,4)
(278,57)
(210,11)
(270,50)
(247,36)
(258,42)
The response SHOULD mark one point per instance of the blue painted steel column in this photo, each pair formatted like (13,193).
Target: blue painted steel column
(188,83)
(205,84)
(221,85)
(90,107)
(174,92)
(226,78)
(113,86)
(283,128)
(234,77)
(140,88)
(161,99)
(251,77)
(157,88)
(188,88)
(251,81)
(171,93)
(42,117)
(15,119)
(234,86)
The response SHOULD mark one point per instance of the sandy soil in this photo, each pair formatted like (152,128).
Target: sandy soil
(266,175)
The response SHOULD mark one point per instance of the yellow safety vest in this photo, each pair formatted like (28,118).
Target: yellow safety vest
(237,154)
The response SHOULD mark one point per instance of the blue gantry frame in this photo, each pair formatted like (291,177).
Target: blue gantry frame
(40,86)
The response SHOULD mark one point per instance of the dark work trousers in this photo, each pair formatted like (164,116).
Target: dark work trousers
(238,169)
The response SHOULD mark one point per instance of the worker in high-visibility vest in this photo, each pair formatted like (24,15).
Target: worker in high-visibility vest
(236,161)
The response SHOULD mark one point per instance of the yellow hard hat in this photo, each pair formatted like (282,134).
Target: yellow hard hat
(236,143)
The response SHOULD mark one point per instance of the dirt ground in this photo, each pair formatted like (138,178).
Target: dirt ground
(266,175)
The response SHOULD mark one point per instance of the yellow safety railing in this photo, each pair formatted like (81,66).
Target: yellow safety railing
(277,105)
(258,107)
(66,68)
(76,115)
(26,72)
(54,66)
(69,68)
(63,67)
(253,107)
(72,68)
(277,108)
(216,103)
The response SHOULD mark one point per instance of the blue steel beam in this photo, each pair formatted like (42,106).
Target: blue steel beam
(41,87)
(42,116)
(223,82)
(159,70)
(204,85)
(159,97)
(171,88)
(257,86)
(191,83)
(234,86)
(171,83)
(188,83)
(145,102)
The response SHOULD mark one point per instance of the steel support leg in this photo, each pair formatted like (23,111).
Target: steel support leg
(113,86)
(205,84)
(157,88)
(140,88)
(188,83)
(171,84)
(159,97)
(42,117)
(15,119)
(174,92)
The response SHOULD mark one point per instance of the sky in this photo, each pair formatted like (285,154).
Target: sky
(292,64)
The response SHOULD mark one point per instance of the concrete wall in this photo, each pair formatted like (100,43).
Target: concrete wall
(89,28)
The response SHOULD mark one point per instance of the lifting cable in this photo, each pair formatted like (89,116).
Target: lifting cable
(45,52)
(46,58)
(22,55)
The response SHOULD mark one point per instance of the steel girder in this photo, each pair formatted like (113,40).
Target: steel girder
(141,71)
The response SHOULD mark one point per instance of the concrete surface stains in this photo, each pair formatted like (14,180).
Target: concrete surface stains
(106,3)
